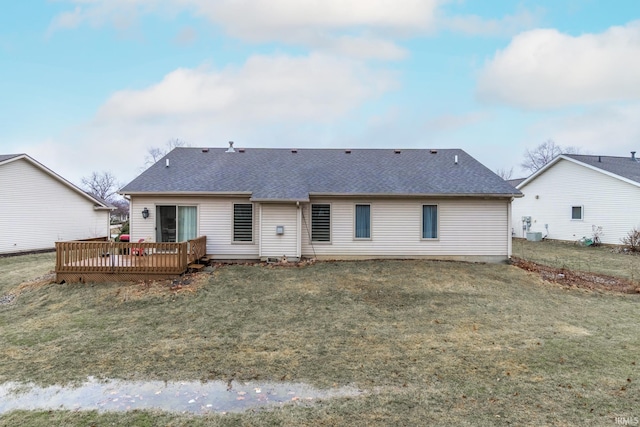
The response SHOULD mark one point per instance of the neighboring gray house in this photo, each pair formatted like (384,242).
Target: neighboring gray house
(38,207)
(574,192)
(259,203)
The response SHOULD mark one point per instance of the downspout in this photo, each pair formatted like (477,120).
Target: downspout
(260,232)
(299,231)
(509,225)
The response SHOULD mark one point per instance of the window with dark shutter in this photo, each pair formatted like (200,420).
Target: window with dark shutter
(242,222)
(321,223)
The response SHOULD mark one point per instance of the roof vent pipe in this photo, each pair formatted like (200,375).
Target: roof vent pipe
(455,159)
(167,165)
(633,155)
(230,149)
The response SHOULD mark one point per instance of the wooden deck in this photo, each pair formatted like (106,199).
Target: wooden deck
(117,261)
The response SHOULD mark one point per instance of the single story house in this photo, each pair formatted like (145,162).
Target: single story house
(261,203)
(574,193)
(38,207)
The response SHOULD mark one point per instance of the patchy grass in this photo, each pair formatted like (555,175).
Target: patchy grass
(608,260)
(18,269)
(431,342)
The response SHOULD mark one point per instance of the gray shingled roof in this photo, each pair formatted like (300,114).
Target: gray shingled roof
(515,182)
(280,174)
(625,167)
(4,157)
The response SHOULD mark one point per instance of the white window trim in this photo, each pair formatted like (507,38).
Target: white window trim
(429,239)
(177,205)
(581,213)
(317,242)
(253,224)
(363,239)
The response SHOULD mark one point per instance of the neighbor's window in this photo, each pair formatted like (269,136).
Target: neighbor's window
(363,222)
(429,221)
(321,223)
(242,222)
(577,212)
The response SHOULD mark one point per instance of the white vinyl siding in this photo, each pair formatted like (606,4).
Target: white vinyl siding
(37,210)
(274,245)
(215,216)
(243,222)
(467,227)
(607,202)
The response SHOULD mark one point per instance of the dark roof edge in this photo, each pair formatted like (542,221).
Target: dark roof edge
(578,162)
(185,193)
(415,195)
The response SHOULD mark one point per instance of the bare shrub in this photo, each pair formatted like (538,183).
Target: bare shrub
(597,233)
(632,240)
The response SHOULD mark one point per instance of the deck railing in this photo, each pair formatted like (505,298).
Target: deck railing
(128,258)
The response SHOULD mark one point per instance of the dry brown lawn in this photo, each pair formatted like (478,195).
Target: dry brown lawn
(430,343)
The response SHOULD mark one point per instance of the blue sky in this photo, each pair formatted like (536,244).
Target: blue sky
(91,85)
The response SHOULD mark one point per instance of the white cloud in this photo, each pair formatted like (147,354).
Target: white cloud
(364,29)
(285,19)
(336,26)
(547,69)
(315,88)
(119,13)
(280,101)
(361,48)
(508,25)
(609,130)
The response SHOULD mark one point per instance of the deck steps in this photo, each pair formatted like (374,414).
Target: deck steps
(196,267)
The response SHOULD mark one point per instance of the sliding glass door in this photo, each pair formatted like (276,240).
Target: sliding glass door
(176,223)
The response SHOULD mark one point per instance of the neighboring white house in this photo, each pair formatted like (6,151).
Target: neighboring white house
(573,193)
(329,204)
(39,207)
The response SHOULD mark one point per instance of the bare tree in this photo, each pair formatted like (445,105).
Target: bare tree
(103,185)
(505,173)
(122,207)
(535,159)
(156,153)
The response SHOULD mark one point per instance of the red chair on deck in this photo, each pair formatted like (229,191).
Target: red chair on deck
(138,251)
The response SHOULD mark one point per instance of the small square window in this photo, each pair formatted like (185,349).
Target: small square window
(577,212)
